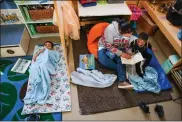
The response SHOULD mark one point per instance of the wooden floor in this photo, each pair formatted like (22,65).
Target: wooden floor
(172,110)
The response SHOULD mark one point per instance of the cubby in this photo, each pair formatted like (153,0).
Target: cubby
(22,5)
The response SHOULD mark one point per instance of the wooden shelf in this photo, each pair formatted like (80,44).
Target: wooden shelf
(39,21)
(20,5)
(29,2)
(38,35)
(165,26)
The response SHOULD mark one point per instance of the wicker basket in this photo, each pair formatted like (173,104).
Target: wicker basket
(47,29)
(41,14)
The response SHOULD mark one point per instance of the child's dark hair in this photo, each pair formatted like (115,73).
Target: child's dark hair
(125,26)
(144,36)
(50,43)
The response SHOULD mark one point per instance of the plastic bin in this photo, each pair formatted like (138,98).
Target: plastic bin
(136,12)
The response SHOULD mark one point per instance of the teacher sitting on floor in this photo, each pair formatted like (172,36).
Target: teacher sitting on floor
(113,45)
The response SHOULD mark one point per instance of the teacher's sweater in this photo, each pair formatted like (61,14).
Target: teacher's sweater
(113,40)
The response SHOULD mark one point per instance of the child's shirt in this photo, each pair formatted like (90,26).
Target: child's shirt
(135,48)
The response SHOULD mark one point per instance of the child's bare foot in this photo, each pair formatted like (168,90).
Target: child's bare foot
(154,49)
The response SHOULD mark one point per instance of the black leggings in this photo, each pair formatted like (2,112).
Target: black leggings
(148,58)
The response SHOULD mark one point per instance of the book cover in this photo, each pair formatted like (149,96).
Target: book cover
(87,61)
(21,65)
(167,66)
(135,59)
(10,16)
(174,59)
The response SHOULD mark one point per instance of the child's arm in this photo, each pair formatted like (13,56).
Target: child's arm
(132,46)
(149,46)
(153,49)
(36,55)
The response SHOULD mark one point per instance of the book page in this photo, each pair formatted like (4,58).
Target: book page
(21,65)
(135,59)
(127,61)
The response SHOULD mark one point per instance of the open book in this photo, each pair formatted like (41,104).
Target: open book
(135,59)
(21,65)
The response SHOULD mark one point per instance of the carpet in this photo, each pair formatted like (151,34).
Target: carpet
(13,87)
(95,100)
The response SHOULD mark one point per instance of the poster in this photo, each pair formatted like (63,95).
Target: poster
(10,16)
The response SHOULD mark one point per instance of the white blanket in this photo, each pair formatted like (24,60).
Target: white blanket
(92,78)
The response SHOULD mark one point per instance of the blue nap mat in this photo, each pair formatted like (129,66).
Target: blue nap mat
(162,78)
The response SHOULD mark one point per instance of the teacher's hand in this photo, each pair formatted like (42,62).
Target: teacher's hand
(125,55)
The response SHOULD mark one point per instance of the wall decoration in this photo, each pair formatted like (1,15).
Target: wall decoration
(10,16)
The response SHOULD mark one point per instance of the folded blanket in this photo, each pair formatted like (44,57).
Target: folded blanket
(40,71)
(92,78)
(148,82)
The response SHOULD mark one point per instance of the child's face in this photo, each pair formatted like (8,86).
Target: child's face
(48,45)
(127,34)
(141,42)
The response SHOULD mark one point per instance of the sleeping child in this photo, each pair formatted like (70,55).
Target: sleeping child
(141,45)
(43,67)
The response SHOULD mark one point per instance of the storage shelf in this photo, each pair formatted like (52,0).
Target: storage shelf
(39,21)
(38,35)
(104,10)
(32,2)
(15,23)
(20,5)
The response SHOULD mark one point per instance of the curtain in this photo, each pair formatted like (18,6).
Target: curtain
(67,19)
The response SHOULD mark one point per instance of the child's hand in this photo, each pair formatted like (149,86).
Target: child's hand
(154,49)
(131,54)
(125,55)
(42,50)
(34,58)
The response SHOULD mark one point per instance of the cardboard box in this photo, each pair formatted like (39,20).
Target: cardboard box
(147,24)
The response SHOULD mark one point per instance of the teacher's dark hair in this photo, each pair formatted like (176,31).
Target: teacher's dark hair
(125,27)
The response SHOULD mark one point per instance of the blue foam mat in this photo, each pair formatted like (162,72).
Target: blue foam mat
(162,78)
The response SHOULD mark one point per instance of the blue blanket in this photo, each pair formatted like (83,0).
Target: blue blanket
(148,83)
(40,71)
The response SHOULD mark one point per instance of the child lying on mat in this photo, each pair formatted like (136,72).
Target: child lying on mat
(140,45)
(43,66)
(47,45)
